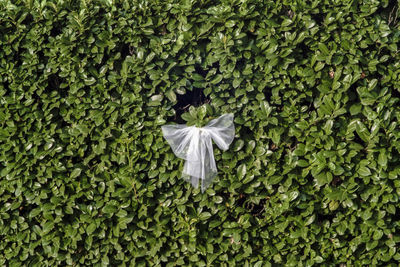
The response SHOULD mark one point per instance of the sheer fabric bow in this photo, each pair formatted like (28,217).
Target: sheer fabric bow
(194,145)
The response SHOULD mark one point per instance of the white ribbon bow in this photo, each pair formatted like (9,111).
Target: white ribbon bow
(194,145)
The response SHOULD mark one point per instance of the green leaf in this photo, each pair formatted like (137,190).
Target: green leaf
(217,79)
(333,205)
(90,81)
(372,84)
(204,216)
(155,100)
(323,48)
(230,23)
(323,178)
(109,208)
(275,179)
(91,228)
(364,171)
(76,172)
(35,212)
(171,95)
(382,158)
(241,171)
(362,131)
(355,109)
(47,227)
(238,145)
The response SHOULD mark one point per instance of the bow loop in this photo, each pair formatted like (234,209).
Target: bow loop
(222,130)
(194,145)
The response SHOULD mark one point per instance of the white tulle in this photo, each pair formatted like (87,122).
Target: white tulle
(194,145)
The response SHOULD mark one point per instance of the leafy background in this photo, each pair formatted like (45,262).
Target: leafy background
(311,178)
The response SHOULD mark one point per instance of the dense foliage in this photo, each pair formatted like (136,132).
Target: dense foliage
(311,178)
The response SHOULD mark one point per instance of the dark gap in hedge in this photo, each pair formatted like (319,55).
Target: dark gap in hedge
(125,50)
(18,59)
(200,71)
(358,140)
(54,82)
(325,217)
(304,48)
(75,159)
(396,92)
(56,30)
(242,199)
(389,12)
(202,47)
(241,63)
(28,19)
(254,209)
(318,18)
(26,208)
(6,83)
(268,94)
(257,209)
(104,59)
(195,97)
(353,94)
(336,181)
(40,55)
(288,11)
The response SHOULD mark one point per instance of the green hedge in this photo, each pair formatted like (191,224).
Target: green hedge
(311,178)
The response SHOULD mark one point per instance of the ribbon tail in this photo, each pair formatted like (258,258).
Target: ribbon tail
(188,174)
(200,163)
(209,167)
(192,170)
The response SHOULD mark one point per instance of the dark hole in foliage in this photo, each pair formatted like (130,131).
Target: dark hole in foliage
(5,83)
(318,18)
(40,55)
(325,217)
(104,59)
(26,208)
(305,49)
(195,98)
(18,58)
(255,209)
(126,50)
(268,94)
(162,30)
(63,124)
(54,82)
(396,215)
(28,19)
(241,63)
(358,140)
(68,218)
(202,46)
(288,11)
(389,12)
(200,70)
(75,159)
(353,92)
(56,30)
(242,199)
(336,181)
(396,92)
